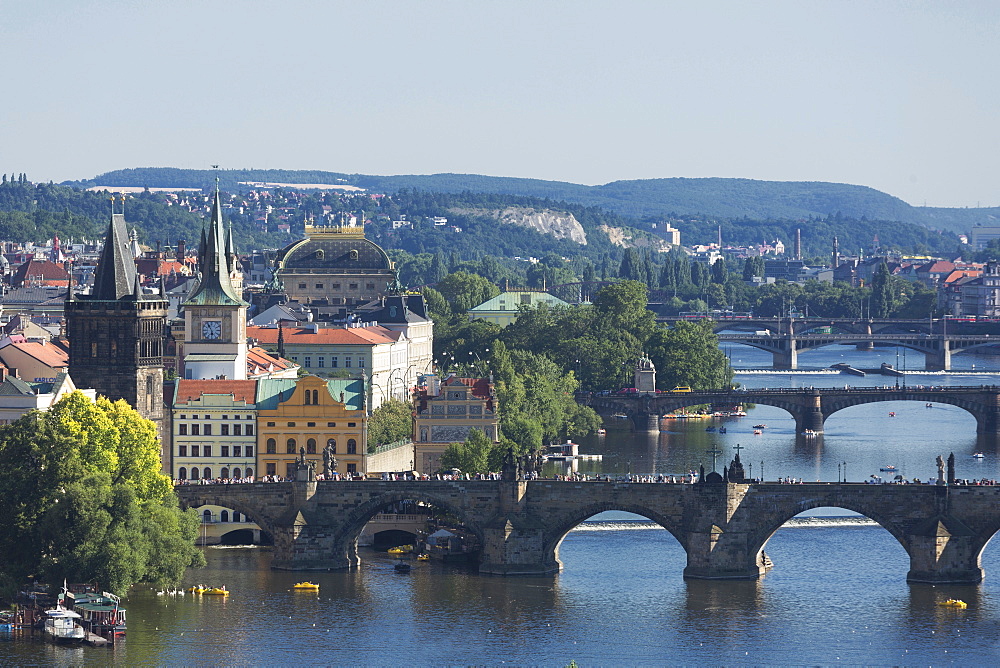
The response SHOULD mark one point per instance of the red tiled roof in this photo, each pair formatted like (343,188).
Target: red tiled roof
(260,361)
(241,390)
(358,336)
(49,355)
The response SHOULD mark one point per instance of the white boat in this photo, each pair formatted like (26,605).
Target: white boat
(62,625)
(977,455)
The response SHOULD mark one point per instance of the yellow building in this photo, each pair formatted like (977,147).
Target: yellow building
(446,411)
(308,415)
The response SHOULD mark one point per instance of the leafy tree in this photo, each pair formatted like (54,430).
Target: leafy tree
(84,499)
(462,291)
(392,421)
(882,301)
(472,456)
(688,354)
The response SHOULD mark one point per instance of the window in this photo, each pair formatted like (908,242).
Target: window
(237,452)
(182,474)
(290,470)
(249,473)
(236,474)
(291,424)
(290,446)
(250,429)
(184,417)
(352,468)
(225,451)
(331,424)
(207,472)
(309,361)
(315,400)
(308,399)
(361,362)
(194,474)
(224,474)
(351,424)
(370,286)
(319,286)
(225,430)
(353,286)
(302,286)
(332,444)
(272,446)
(347,362)
(320,362)
(310,424)
(269,424)
(225,417)
(208,417)
(335,286)
(352,446)
(182,451)
(224,515)
(206,516)
(208,430)
(333,362)
(237,430)
(207,451)
(182,430)
(311,446)
(271,468)
(194,430)
(249,454)
(195,451)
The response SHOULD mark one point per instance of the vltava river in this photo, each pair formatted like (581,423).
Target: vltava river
(837,593)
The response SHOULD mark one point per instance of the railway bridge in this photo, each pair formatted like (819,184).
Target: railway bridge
(810,407)
(723,526)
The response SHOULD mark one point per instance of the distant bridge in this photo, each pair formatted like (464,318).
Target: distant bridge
(723,527)
(810,407)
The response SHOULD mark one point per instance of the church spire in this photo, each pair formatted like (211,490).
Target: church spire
(116,273)
(215,286)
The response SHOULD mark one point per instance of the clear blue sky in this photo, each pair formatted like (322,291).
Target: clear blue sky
(899,96)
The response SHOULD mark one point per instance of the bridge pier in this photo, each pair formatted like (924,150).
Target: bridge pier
(718,549)
(811,416)
(945,551)
(648,422)
(786,356)
(938,358)
(866,345)
(514,541)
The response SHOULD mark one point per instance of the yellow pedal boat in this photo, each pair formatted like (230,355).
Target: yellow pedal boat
(197,589)
(306,586)
(954,603)
(216,591)
(400,549)
(423,557)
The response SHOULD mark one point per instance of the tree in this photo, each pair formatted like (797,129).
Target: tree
(463,291)
(392,421)
(471,456)
(882,301)
(688,354)
(84,499)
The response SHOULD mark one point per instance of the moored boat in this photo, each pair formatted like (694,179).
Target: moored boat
(63,625)
(977,455)
(216,591)
(954,603)
(888,468)
(305,586)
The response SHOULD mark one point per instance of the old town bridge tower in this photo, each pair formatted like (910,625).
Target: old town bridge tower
(116,333)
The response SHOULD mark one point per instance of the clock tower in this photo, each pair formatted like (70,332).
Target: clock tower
(215,315)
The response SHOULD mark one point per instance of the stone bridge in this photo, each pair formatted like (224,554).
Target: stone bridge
(810,407)
(723,527)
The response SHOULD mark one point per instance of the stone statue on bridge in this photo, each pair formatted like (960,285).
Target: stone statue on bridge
(951,469)
(510,469)
(327,462)
(940,470)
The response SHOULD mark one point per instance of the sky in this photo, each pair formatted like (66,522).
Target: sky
(898,96)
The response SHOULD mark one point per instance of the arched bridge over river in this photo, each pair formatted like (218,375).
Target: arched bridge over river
(810,407)
(723,527)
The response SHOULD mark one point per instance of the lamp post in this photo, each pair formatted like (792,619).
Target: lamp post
(762,470)
(838,472)
(845,471)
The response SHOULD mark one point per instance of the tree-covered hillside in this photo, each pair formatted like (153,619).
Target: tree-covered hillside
(727,198)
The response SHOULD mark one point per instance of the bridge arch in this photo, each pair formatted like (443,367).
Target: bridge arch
(560,526)
(346,537)
(249,511)
(757,540)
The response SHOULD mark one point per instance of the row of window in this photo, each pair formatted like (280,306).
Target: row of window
(206,430)
(206,451)
(313,424)
(336,286)
(291,446)
(208,518)
(334,362)
(209,417)
(196,473)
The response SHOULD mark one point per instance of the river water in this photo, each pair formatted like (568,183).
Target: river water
(837,593)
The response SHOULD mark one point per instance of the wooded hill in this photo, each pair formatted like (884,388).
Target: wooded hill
(718,197)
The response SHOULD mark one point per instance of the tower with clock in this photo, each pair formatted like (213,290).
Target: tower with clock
(215,315)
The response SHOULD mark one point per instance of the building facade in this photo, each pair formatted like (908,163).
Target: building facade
(445,411)
(214,429)
(304,417)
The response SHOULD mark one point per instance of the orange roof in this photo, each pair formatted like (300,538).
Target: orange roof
(959,274)
(47,354)
(358,336)
(260,361)
(241,390)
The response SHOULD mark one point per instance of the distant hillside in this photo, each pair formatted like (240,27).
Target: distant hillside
(725,198)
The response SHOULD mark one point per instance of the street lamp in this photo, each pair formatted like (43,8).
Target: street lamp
(845,471)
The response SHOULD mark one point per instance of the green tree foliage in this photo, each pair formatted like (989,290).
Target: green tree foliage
(392,421)
(882,298)
(471,456)
(462,291)
(85,500)
(688,354)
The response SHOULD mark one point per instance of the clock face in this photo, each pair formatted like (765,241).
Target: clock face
(211,329)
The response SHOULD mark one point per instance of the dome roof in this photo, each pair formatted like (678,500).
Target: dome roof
(340,253)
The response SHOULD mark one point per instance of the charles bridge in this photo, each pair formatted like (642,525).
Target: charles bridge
(810,407)
(723,526)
